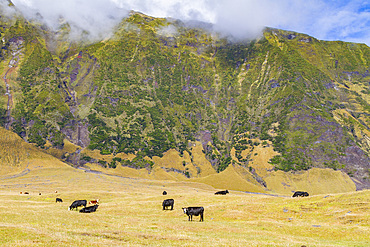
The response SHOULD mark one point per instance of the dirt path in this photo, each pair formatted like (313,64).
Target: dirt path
(24,172)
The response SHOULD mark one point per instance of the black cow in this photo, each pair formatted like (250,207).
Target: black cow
(89,209)
(168,202)
(223,192)
(77,204)
(300,193)
(190,211)
(164,193)
(58,200)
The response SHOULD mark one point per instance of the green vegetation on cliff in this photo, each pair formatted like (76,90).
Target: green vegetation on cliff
(147,90)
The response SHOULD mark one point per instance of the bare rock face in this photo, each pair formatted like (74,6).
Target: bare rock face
(77,132)
(15,48)
(357,166)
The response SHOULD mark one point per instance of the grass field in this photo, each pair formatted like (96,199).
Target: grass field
(130,214)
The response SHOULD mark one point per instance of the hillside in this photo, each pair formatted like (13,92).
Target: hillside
(18,158)
(130,214)
(166,100)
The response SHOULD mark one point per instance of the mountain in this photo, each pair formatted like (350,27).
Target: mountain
(180,102)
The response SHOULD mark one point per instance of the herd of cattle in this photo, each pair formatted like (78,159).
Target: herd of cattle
(189,211)
(85,209)
(198,211)
(79,203)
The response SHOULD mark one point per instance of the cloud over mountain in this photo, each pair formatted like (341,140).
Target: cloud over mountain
(329,20)
(95,17)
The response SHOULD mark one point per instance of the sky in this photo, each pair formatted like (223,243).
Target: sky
(346,20)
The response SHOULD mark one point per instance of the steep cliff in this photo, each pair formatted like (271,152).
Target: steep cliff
(285,102)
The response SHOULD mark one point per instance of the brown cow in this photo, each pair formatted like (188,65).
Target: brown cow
(94,201)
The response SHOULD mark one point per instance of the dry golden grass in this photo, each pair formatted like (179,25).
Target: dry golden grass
(170,159)
(315,180)
(199,160)
(130,214)
(261,157)
(230,178)
(17,156)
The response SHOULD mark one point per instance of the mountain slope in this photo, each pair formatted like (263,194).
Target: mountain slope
(158,85)
(17,157)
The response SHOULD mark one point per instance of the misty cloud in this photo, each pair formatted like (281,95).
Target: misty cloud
(97,18)
(168,31)
(242,19)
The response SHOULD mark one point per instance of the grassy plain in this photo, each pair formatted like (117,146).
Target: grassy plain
(130,214)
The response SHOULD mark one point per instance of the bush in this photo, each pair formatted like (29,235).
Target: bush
(225,162)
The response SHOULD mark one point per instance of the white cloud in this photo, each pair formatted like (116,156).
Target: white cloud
(200,10)
(96,17)
(344,24)
(323,19)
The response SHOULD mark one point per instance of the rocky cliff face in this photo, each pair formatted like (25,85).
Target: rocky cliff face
(145,91)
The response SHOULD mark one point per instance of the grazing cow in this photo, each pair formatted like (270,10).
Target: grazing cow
(94,201)
(89,209)
(223,192)
(164,193)
(20,192)
(190,211)
(168,202)
(58,200)
(77,204)
(39,193)
(26,193)
(300,193)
